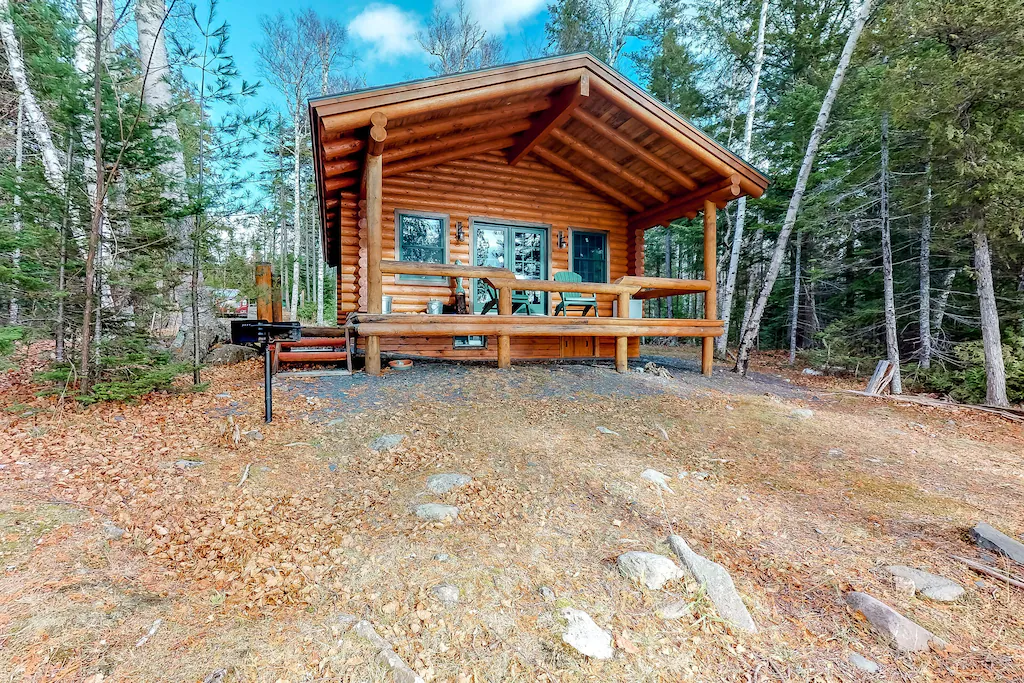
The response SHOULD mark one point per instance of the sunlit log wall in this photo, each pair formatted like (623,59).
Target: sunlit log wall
(484,187)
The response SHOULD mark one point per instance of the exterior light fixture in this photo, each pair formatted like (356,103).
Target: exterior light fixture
(460,233)
(562,244)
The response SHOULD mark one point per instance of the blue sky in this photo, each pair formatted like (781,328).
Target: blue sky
(383,34)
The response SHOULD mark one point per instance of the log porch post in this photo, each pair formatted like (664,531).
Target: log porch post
(373,177)
(622,343)
(710,274)
(504,343)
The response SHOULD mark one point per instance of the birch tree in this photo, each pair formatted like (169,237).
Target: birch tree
(995,369)
(924,322)
(456,42)
(743,355)
(289,63)
(13,311)
(34,118)
(892,343)
(741,205)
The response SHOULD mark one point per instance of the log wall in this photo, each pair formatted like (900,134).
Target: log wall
(485,187)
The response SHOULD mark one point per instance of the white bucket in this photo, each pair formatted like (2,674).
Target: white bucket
(385,303)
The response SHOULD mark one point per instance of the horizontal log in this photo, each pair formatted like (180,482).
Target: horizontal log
(551,286)
(310,356)
(664,283)
(461,122)
(685,205)
(441,269)
(599,185)
(646,294)
(534,320)
(415,163)
(638,329)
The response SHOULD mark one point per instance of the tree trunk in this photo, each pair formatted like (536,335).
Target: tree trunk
(294,307)
(939,314)
(743,355)
(795,310)
(892,342)
(925,278)
(97,204)
(995,371)
(753,277)
(13,311)
(741,206)
(37,123)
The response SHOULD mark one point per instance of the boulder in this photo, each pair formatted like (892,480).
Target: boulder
(443,483)
(990,538)
(229,354)
(586,637)
(112,531)
(435,512)
(650,569)
(717,583)
(904,634)
(929,585)
(802,413)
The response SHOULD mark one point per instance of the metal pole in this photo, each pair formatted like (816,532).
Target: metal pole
(268,406)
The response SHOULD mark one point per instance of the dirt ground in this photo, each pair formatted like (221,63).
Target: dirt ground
(258,577)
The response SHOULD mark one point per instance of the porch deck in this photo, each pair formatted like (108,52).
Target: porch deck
(505,325)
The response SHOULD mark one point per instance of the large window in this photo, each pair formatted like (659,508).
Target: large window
(590,255)
(421,237)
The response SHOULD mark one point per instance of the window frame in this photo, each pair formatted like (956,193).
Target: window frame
(607,249)
(446,223)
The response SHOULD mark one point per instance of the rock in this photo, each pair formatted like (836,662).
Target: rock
(400,671)
(835,453)
(657,478)
(654,369)
(435,512)
(650,569)
(586,637)
(223,395)
(443,483)
(702,476)
(546,593)
(717,584)
(386,442)
(441,557)
(904,586)
(904,633)
(253,435)
(112,531)
(229,354)
(863,663)
(929,585)
(605,430)
(187,464)
(802,413)
(678,609)
(992,539)
(812,372)
(446,594)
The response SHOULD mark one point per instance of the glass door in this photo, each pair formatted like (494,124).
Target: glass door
(522,250)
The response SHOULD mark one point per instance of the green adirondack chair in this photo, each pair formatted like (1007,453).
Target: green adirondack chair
(586,302)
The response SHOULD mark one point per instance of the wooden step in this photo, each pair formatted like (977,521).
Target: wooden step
(313,341)
(311,356)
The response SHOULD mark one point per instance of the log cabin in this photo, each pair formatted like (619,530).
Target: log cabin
(500,213)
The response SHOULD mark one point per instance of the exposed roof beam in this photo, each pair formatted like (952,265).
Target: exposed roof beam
(630,145)
(609,164)
(693,143)
(462,122)
(558,113)
(604,188)
(463,138)
(457,153)
(686,204)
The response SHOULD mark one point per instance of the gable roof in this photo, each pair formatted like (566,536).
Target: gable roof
(571,112)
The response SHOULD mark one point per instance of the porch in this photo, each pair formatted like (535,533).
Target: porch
(505,326)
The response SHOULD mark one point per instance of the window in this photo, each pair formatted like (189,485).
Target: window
(590,255)
(421,237)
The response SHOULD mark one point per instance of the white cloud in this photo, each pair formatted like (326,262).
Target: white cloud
(389,29)
(500,16)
